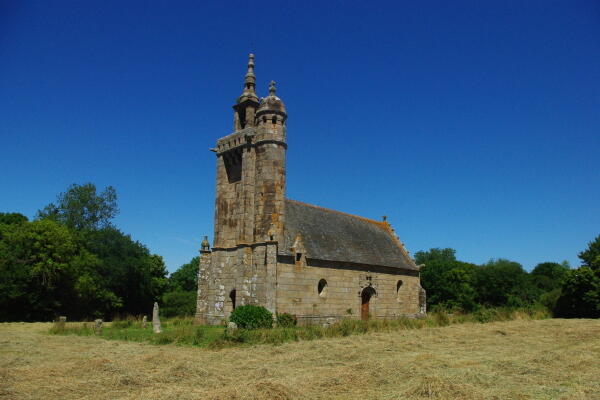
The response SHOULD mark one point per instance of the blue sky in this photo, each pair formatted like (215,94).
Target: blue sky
(472,125)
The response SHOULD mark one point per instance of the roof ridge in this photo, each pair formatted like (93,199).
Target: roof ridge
(381,224)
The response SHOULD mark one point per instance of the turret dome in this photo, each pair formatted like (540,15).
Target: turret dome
(271,104)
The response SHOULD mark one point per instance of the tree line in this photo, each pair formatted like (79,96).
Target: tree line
(71,260)
(458,285)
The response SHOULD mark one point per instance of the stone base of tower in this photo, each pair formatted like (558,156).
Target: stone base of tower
(235,277)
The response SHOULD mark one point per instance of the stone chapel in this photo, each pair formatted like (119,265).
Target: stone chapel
(318,264)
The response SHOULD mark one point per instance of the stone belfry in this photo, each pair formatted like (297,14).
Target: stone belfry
(250,190)
(282,254)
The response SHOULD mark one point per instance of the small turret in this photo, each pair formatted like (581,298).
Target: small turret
(271,112)
(247,103)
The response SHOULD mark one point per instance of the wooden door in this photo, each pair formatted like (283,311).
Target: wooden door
(364,311)
(366,295)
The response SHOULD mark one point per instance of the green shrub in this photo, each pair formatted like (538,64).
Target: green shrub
(286,320)
(484,315)
(252,317)
(549,299)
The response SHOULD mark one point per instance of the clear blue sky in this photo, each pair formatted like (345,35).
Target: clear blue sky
(470,124)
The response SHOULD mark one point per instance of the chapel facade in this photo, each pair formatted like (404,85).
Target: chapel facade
(318,264)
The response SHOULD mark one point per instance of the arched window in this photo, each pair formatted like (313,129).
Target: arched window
(232,295)
(398,287)
(274,119)
(322,288)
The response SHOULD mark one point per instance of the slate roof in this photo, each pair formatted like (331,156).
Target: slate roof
(336,236)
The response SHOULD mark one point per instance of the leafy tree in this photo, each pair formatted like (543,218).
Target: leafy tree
(186,277)
(126,268)
(448,282)
(549,276)
(12,218)
(591,256)
(72,261)
(80,207)
(36,268)
(183,285)
(580,297)
(436,255)
(178,303)
(503,282)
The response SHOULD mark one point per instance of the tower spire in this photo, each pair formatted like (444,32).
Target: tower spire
(250,78)
(272,88)
(247,103)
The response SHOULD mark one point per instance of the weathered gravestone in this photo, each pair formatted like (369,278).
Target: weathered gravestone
(155,319)
(144,322)
(61,322)
(231,328)
(98,326)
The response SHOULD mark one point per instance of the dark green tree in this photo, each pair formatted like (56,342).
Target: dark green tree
(178,303)
(580,297)
(81,207)
(12,218)
(549,276)
(126,268)
(503,282)
(72,261)
(448,282)
(36,270)
(580,293)
(186,276)
(180,299)
(590,257)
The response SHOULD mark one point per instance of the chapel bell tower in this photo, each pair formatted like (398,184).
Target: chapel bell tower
(250,192)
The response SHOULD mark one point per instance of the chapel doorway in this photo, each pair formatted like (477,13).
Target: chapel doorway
(366,295)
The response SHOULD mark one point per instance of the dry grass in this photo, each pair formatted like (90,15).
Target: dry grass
(521,359)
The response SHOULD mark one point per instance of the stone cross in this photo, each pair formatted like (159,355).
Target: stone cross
(155,319)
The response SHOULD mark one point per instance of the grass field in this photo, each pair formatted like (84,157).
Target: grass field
(182,331)
(521,359)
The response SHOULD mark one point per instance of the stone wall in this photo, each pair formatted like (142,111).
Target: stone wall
(297,293)
(257,278)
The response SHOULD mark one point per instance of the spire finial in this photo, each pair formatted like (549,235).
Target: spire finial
(250,64)
(272,88)
(250,78)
